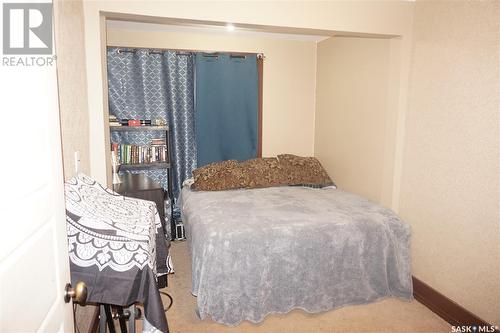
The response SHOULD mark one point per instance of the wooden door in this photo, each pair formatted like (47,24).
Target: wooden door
(34,266)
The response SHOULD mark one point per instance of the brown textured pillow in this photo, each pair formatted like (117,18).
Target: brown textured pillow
(304,171)
(261,172)
(217,176)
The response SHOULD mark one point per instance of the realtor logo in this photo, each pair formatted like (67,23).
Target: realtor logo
(27,28)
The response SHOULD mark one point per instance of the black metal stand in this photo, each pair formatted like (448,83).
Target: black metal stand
(106,318)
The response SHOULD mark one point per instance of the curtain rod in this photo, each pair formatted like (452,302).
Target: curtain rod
(124,49)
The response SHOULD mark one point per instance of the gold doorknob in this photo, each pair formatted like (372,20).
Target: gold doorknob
(78,294)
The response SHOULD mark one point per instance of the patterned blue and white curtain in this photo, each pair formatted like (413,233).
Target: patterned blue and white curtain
(180,102)
(148,84)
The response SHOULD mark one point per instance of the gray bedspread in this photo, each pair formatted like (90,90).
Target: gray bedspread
(261,251)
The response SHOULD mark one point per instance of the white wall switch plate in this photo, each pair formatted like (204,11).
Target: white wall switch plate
(77,161)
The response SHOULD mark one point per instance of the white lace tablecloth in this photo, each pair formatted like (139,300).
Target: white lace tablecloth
(117,246)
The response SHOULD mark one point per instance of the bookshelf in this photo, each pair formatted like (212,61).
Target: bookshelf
(140,155)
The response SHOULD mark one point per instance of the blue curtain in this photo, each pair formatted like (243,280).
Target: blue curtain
(180,98)
(226,107)
(146,84)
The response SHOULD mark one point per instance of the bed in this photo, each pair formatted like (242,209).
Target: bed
(270,250)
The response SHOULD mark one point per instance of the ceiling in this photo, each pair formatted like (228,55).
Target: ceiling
(212,29)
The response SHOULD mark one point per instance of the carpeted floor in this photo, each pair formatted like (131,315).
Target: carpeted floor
(390,315)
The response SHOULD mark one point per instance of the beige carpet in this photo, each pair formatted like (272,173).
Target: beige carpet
(390,315)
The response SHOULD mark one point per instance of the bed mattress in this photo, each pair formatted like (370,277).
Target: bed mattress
(262,251)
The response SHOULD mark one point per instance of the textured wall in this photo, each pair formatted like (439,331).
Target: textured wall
(352,113)
(288,87)
(450,179)
(72,81)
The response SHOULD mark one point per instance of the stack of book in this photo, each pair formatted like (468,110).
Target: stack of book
(159,142)
(159,148)
(113,121)
(134,154)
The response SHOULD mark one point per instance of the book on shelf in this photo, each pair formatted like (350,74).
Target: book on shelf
(135,154)
(113,121)
(159,142)
(132,122)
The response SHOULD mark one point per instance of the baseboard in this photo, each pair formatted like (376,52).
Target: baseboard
(447,309)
